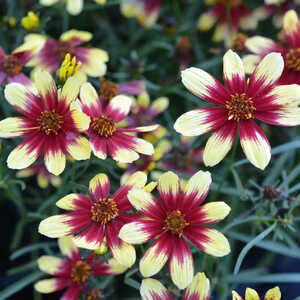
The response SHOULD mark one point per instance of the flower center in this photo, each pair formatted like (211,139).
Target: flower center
(104,126)
(11,65)
(80,272)
(231,3)
(292,59)
(238,41)
(93,294)
(175,223)
(50,122)
(104,210)
(64,48)
(108,89)
(240,107)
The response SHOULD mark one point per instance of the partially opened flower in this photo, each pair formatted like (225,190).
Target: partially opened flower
(145,11)
(272,294)
(198,289)
(52,124)
(73,272)
(236,105)
(93,60)
(96,216)
(105,131)
(290,50)
(177,216)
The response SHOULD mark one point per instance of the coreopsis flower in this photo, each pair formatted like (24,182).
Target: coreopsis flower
(290,50)
(178,215)
(31,21)
(53,52)
(52,123)
(198,289)
(240,17)
(43,176)
(272,294)
(105,132)
(73,272)
(145,11)
(96,216)
(237,104)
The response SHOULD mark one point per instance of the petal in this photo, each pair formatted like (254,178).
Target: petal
(74,7)
(24,80)
(290,22)
(152,289)
(159,105)
(78,147)
(206,21)
(50,264)
(204,86)
(200,121)
(99,146)
(70,90)
(13,127)
(214,212)
(137,180)
(67,247)
(76,37)
(55,161)
(99,187)
(199,289)
(156,256)
(219,143)
(95,62)
(140,129)
(236,296)
(273,294)
(55,226)
(45,85)
(233,72)
(116,267)
(72,293)
(284,96)
(47,286)
(255,144)
(251,294)
(74,201)
(259,44)
(89,98)
(118,107)
(282,117)
(140,199)
(121,154)
(250,62)
(181,264)
(80,119)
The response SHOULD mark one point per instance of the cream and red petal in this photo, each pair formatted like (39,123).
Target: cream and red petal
(78,146)
(98,145)
(75,201)
(291,26)
(200,121)
(50,264)
(16,127)
(273,294)
(140,129)
(196,189)
(102,268)
(262,45)
(251,294)
(121,153)
(208,240)
(54,158)
(72,293)
(118,107)
(26,153)
(220,143)
(236,296)
(76,37)
(234,73)
(156,256)
(24,80)
(91,104)
(70,90)
(250,62)
(255,144)
(181,263)
(204,86)
(47,286)
(283,117)
(68,248)
(99,187)
(116,267)
(152,289)
(199,289)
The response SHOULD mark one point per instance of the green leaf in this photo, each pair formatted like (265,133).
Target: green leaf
(133,283)
(270,278)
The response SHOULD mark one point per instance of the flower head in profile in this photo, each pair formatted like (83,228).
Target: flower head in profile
(96,216)
(51,124)
(145,11)
(290,50)
(53,52)
(237,105)
(198,289)
(105,131)
(177,216)
(73,272)
(272,294)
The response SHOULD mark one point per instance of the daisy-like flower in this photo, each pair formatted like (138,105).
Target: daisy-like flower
(272,294)
(42,175)
(105,134)
(238,104)
(290,50)
(169,222)
(73,272)
(199,289)
(145,11)
(11,65)
(52,123)
(240,17)
(97,216)
(53,52)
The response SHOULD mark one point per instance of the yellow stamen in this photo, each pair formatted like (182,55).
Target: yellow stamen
(68,68)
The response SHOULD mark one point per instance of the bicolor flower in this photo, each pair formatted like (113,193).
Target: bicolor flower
(237,104)
(105,131)
(52,123)
(52,53)
(272,294)
(11,66)
(43,176)
(177,216)
(198,289)
(145,11)
(240,17)
(73,272)
(290,50)
(96,216)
